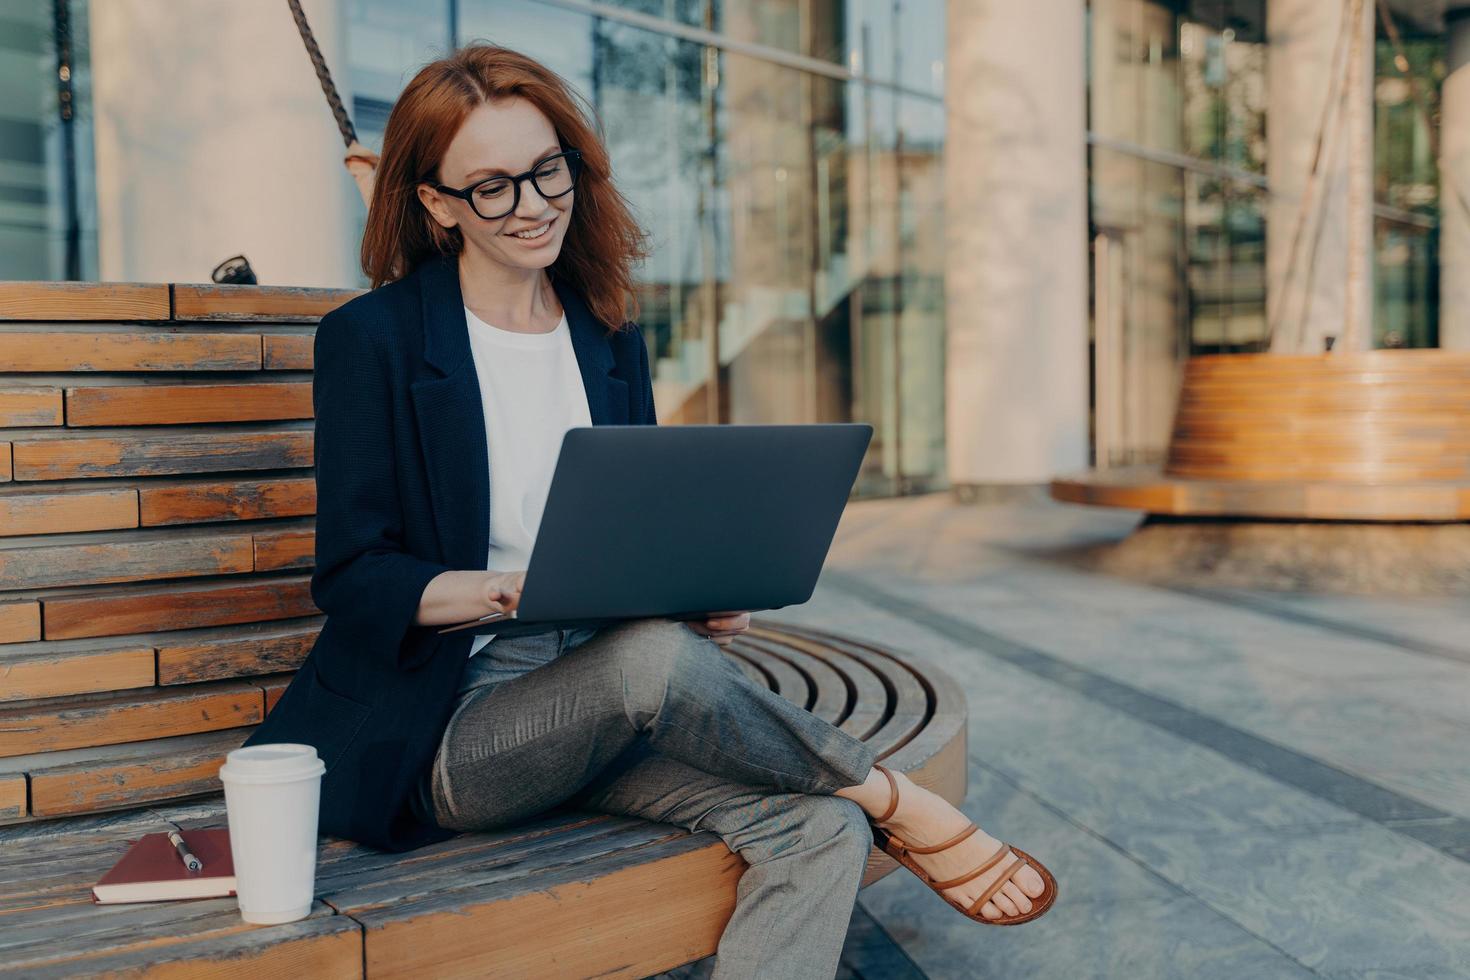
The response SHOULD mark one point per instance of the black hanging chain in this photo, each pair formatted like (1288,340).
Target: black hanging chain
(329,89)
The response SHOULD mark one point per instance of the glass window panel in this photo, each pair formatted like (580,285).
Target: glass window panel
(48,210)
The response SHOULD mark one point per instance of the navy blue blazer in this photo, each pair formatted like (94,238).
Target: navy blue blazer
(403,493)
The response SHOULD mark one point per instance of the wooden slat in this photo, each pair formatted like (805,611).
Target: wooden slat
(273,687)
(280,550)
(226,500)
(831,704)
(248,652)
(870,702)
(25,675)
(125,558)
(130,774)
(70,723)
(789,683)
(652,914)
(30,406)
(182,607)
(149,404)
(287,352)
(83,301)
(1146,488)
(196,301)
(20,622)
(60,350)
(12,801)
(67,510)
(6,467)
(150,454)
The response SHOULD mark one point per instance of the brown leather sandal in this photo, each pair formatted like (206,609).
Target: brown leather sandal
(900,850)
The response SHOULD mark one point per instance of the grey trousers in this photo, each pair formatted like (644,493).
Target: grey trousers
(649,719)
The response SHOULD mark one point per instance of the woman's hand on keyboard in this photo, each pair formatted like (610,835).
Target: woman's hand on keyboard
(501,591)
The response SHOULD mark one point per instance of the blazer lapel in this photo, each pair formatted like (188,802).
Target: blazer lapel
(450,414)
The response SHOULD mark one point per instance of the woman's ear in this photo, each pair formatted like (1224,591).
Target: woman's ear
(437,207)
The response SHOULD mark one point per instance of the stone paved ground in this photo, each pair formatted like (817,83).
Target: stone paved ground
(1227,784)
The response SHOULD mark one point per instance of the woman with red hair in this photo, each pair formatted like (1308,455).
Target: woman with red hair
(501,252)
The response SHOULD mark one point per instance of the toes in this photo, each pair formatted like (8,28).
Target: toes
(990,911)
(1017,897)
(1030,882)
(1003,902)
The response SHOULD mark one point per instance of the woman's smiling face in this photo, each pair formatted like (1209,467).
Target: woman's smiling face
(507,136)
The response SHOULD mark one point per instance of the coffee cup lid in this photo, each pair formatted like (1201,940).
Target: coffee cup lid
(272,762)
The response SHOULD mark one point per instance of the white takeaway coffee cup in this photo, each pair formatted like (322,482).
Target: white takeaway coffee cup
(272,795)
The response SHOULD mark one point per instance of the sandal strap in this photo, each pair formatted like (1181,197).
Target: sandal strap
(996,885)
(989,863)
(892,790)
(962,835)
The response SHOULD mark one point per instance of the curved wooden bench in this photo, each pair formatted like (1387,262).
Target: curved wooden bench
(522,900)
(156,541)
(1372,436)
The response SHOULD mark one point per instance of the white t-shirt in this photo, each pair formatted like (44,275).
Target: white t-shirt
(532,393)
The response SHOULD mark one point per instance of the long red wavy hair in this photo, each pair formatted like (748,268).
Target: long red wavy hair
(603,241)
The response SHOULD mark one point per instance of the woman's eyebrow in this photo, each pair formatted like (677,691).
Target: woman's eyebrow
(492,171)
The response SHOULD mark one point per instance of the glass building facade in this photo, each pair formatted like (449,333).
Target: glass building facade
(786,157)
(1178,123)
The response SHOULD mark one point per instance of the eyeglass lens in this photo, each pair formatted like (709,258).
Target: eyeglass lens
(495,198)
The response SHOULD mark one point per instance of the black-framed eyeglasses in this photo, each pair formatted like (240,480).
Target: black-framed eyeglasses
(498,196)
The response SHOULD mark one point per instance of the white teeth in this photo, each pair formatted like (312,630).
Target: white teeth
(536,233)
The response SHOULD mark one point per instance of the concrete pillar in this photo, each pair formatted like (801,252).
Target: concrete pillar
(1016,241)
(213,139)
(1454,175)
(1312,263)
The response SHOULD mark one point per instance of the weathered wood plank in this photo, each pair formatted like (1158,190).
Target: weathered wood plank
(28,675)
(273,688)
(7,472)
(125,559)
(261,649)
(149,404)
(104,777)
(83,301)
(80,722)
(12,799)
(287,352)
(322,945)
(654,912)
(30,406)
(68,510)
(197,301)
(65,458)
(277,551)
(69,350)
(180,607)
(20,622)
(226,500)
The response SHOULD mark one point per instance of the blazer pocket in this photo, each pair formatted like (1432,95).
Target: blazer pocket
(333,719)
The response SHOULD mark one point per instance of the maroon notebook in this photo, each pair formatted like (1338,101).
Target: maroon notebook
(153,871)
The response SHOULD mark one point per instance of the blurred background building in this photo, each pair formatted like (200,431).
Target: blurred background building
(992,230)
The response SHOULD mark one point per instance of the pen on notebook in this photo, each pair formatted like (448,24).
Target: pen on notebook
(190,861)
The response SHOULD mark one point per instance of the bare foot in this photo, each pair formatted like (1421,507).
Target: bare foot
(924,818)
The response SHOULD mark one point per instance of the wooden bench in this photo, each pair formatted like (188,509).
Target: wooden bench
(156,522)
(1341,472)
